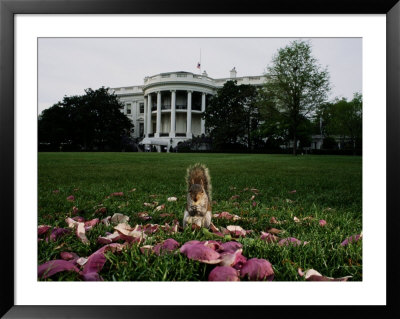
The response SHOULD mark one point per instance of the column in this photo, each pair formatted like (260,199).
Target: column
(125,109)
(203,109)
(149,126)
(145,117)
(189,115)
(158,123)
(173,113)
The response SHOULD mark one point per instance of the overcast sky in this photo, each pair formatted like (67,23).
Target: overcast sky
(67,66)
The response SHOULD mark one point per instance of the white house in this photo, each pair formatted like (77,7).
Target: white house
(167,108)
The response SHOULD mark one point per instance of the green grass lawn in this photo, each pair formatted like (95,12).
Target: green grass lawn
(327,187)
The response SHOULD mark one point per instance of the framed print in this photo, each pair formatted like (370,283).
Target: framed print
(28,27)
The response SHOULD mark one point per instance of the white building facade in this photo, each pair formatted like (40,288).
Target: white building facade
(167,108)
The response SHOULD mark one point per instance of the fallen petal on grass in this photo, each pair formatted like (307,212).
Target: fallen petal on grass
(43,229)
(322,222)
(351,239)
(257,269)
(144,216)
(58,232)
(230,246)
(223,273)
(80,232)
(226,215)
(291,241)
(66,255)
(118,218)
(313,275)
(199,252)
(268,237)
(90,223)
(236,231)
(167,245)
(172,199)
(104,240)
(117,194)
(53,267)
(71,198)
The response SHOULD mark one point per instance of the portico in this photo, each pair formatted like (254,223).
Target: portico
(175,113)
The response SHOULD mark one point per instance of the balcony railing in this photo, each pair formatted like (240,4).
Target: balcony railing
(177,107)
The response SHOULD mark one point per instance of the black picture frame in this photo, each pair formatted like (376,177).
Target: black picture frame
(8,8)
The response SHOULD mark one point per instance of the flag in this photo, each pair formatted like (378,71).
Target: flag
(198,65)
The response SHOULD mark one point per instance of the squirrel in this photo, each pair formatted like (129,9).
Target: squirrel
(198,207)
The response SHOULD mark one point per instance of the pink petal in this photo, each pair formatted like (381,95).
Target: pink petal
(79,219)
(257,269)
(201,253)
(269,238)
(75,210)
(150,228)
(146,249)
(296,219)
(71,198)
(254,204)
(90,223)
(171,229)
(231,259)
(43,229)
(291,241)
(53,267)
(236,231)
(172,199)
(95,262)
(65,255)
(351,239)
(322,222)
(230,246)
(91,276)
(117,194)
(56,191)
(313,275)
(58,232)
(223,273)
(292,192)
(106,221)
(101,210)
(273,220)
(166,215)
(130,234)
(118,218)
(80,232)
(161,207)
(144,216)
(215,245)
(109,238)
(166,246)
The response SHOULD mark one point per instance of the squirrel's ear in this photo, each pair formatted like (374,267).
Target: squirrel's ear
(192,181)
(202,182)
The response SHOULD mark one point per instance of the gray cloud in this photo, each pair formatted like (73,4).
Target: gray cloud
(67,66)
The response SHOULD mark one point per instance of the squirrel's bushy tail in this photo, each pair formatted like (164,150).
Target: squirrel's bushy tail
(198,174)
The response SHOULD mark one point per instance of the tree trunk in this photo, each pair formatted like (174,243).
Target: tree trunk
(294,143)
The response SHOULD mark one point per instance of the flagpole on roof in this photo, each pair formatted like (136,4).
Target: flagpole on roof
(200,60)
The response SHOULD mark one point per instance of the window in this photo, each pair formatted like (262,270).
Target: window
(141,105)
(128,109)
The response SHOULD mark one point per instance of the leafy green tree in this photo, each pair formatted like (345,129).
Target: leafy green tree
(232,116)
(296,85)
(92,121)
(343,119)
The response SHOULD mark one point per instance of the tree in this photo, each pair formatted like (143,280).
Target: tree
(295,86)
(232,116)
(93,121)
(343,118)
